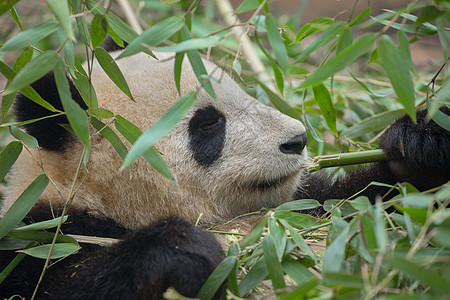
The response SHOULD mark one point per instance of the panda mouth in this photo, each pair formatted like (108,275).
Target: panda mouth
(273,183)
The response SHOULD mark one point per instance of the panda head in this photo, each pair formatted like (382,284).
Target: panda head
(229,155)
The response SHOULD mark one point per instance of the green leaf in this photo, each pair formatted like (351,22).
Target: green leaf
(361,16)
(98,30)
(16,17)
(256,274)
(27,139)
(335,253)
(23,204)
(30,36)
(23,59)
(340,61)
(300,291)
(397,71)
(319,24)
(330,33)
(343,279)
(280,104)
(112,70)
(102,113)
(273,263)
(404,49)
(59,250)
(40,236)
(298,239)
(131,132)
(277,44)
(6,5)
(344,40)
(296,219)
(62,13)
(81,21)
(197,64)
(323,99)
(154,36)
(83,86)
(28,91)
(254,235)
(217,277)
(380,228)
(279,236)
(111,136)
(8,157)
(427,14)
(34,70)
(75,114)
(117,25)
(69,51)
(430,277)
(302,204)
(192,44)
(296,270)
(361,203)
(368,232)
(42,225)
(373,124)
(247,5)
(177,70)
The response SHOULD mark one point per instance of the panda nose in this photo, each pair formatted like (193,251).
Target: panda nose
(294,145)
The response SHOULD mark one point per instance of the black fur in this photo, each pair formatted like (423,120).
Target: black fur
(207,135)
(110,45)
(418,153)
(169,253)
(49,134)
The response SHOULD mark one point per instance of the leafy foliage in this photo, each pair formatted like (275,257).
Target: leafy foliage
(348,83)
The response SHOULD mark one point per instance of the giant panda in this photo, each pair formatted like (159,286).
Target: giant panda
(229,155)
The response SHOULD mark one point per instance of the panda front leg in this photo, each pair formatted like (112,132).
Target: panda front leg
(417,153)
(170,253)
(142,265)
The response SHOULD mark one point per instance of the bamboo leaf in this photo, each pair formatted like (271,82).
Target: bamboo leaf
(340,61)
(131,132)
(40,236)
(273,264)
(296,270)
(42,225)
(296,219)
(298,239)
(6,5)
(98,30)
(344,40)
(361,16)
(23,204)
(373,124)
(177,70)
(277,44)
(112,70)
(323,99)
(32,71)
(404,49)
(279,236)
(302,204)
(319,24)
(397,71)
(197,64)
(28,91)
(69,52)
(75,114)
(330,33)
(24,57)
(117,25)
(256,274)
(30,36)
(27,139)
(59,250)
(8,157)
(154,36)
(192,44)
(254,235)
(62,13)
(335,253)
(217,277)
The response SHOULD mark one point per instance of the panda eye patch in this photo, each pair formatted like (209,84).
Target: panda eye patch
(207,135)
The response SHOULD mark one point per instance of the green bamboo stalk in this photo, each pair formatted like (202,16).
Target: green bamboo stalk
(345,159)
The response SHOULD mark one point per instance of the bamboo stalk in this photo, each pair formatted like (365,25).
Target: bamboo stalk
(345,159)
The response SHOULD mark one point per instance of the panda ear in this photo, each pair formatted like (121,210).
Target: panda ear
(48,132)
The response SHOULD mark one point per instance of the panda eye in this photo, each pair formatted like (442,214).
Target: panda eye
(211,124)
(207,121)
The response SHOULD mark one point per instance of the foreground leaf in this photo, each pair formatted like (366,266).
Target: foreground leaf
(8,157)
(23,204)
(397,71)
(160,128)
(217,277)
(59,250)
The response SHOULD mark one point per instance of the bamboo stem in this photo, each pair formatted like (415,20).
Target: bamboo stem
(344,159)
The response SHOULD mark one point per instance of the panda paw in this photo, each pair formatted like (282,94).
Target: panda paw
(418,153)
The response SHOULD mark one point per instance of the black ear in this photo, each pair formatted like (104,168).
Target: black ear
(48,132)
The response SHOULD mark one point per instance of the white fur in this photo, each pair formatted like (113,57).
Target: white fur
(221,191)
